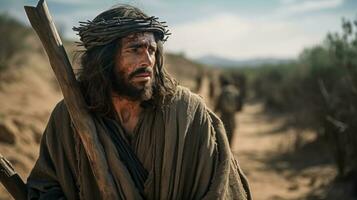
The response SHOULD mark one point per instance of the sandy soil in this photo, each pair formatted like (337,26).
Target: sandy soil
(257,142)
(279,168)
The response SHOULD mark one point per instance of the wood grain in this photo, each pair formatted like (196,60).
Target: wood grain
(43,24)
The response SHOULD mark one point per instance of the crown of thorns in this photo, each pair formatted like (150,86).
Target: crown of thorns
(102,32)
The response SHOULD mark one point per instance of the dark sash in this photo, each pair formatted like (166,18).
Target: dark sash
(127,155)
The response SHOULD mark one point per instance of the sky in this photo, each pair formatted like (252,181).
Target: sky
(233,29)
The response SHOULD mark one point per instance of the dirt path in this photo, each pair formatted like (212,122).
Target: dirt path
(265,149)
(252,147)
(259,144)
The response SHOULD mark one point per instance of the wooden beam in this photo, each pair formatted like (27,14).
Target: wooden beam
(43,24)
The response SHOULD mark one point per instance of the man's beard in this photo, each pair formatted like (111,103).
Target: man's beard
(122,86)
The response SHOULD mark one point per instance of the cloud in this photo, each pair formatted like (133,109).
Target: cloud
(217,30)
(235,37)
(72,2)
(287,1)
(291,7)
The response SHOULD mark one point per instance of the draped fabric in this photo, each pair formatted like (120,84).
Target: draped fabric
(178,151)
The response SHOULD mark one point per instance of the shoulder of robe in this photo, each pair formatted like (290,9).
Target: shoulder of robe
(60,120)
(185,101)
(60,113)
(184,95)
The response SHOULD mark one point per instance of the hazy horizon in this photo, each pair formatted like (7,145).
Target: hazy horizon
(237,30)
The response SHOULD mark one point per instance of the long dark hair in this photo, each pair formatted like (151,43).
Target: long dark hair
(97,66)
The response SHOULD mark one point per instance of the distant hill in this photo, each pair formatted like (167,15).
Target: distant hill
(184,70)
(216,61)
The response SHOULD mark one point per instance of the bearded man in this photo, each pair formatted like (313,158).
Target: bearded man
(159,139)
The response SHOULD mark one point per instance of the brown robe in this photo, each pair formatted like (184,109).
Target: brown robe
(178,151)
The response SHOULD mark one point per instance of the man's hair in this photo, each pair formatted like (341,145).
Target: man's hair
(98,63)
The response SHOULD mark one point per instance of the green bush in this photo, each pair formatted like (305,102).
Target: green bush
(320,92)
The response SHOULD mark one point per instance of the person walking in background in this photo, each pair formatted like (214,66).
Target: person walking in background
(229,102)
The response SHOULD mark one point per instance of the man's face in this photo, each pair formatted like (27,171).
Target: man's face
(134,66)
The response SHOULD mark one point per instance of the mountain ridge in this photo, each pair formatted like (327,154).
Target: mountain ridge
(222,62)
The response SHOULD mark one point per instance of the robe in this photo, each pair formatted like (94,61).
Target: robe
(177,151)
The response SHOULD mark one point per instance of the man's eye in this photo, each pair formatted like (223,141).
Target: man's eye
(135,50)
(152,50)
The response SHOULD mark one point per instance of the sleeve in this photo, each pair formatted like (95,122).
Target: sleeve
(200,153)
(229,181)
(51,177)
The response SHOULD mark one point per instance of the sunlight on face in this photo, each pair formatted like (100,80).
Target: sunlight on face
(134,65)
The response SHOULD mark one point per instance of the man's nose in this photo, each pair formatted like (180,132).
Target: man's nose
(147,59)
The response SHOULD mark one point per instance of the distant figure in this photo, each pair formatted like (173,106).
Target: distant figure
(228,103)
(198,80)
(213,85)
(239,81)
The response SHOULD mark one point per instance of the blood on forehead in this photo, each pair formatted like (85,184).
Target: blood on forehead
(146,37)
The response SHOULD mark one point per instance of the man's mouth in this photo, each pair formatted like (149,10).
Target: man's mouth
(143,77)
(144,74)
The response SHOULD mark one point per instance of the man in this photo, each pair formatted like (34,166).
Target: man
(159,139)
(228,103)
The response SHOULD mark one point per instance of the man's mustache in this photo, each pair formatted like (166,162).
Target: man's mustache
(140,71)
